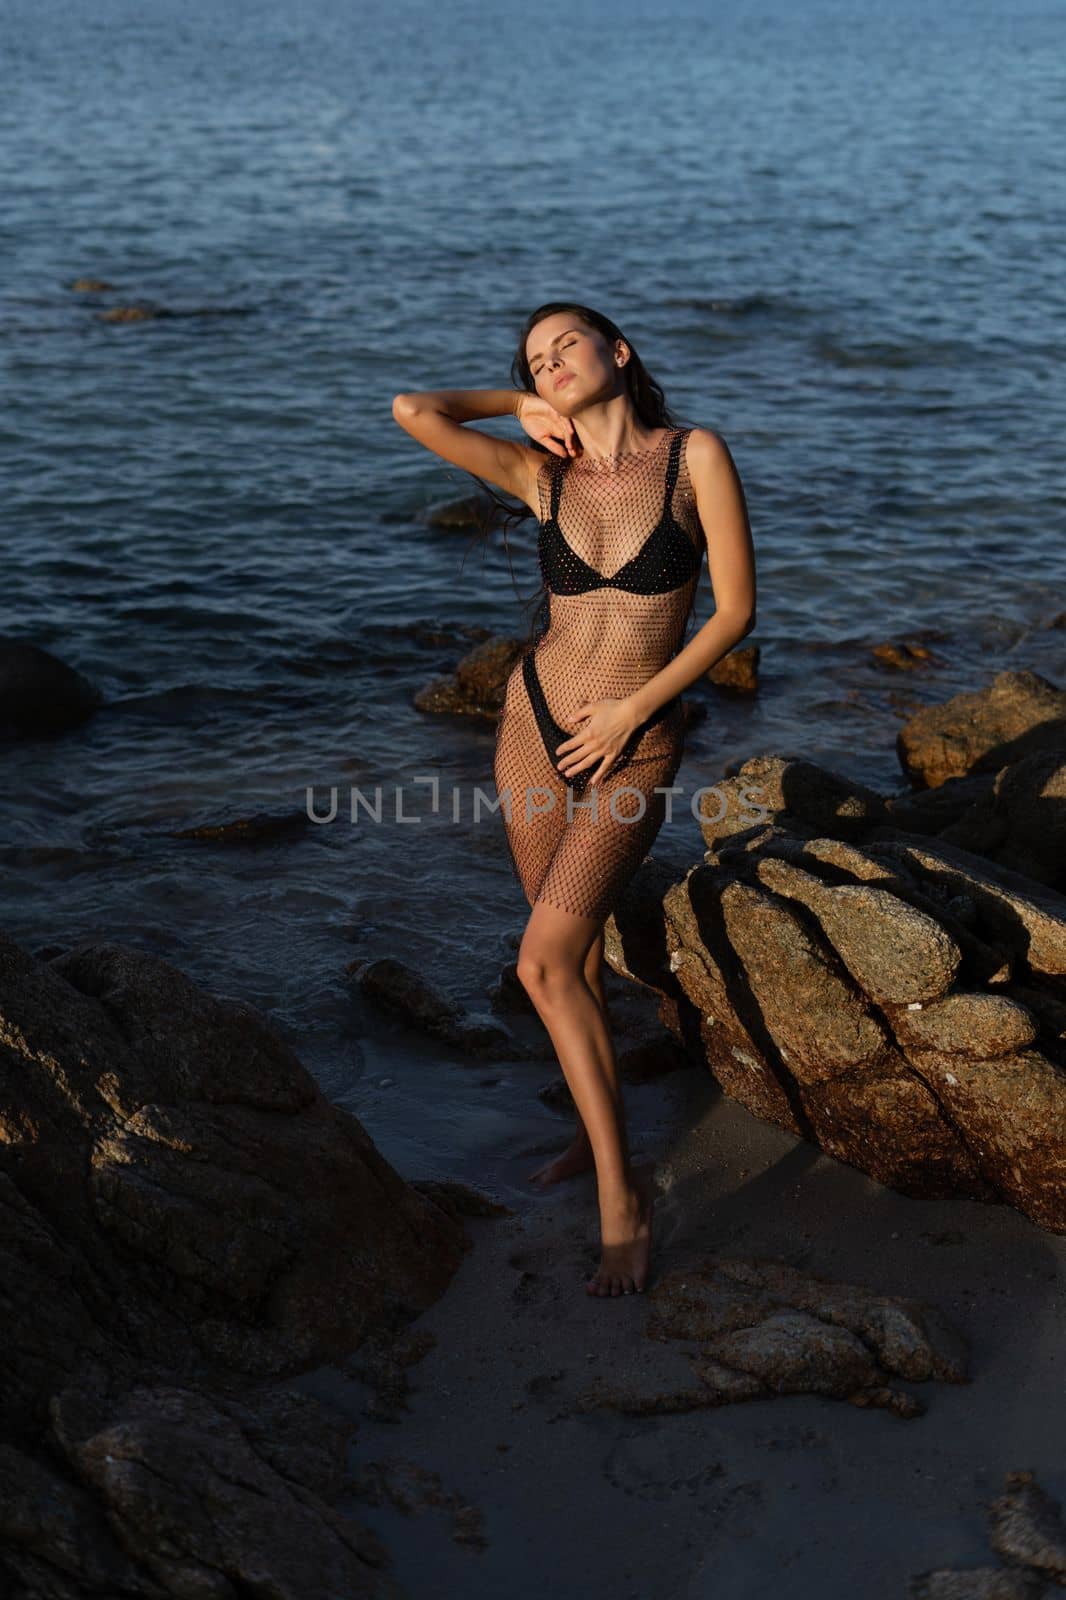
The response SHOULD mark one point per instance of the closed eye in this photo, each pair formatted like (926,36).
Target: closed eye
(565,346)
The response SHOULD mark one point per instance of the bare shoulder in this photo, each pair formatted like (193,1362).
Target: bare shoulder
(708,451)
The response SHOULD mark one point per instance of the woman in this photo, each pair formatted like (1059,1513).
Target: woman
(591,732)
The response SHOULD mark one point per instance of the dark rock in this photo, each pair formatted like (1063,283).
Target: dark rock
(39,693)
(186,1219)
(441,635)
(128,314)
(1019,820)
(262,829)
(653,1059)
(402,990)
(509,993)
(466,513)
(933,810)
(151,313)
(790,793)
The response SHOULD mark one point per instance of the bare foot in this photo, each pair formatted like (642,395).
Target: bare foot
(626,1247)
(577,1157)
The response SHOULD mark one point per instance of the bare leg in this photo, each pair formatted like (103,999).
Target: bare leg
(552,968)
(577,1157)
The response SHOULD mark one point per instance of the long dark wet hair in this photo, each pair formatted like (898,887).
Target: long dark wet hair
(649,403)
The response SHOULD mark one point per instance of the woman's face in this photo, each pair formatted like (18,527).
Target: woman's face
(571,364)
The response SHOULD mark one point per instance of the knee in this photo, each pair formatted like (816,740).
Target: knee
(542,976)
(532,973)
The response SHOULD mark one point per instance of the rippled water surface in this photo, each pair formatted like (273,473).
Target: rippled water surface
(835,234)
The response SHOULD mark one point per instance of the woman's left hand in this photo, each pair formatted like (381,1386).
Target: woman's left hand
(608,725)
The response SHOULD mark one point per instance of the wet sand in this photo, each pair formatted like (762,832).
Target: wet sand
(796,1495)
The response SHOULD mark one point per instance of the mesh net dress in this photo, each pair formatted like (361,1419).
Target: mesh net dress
(620,550)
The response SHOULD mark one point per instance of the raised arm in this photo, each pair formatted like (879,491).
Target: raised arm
(435,417)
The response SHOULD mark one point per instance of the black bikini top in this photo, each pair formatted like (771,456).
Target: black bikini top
(665,561)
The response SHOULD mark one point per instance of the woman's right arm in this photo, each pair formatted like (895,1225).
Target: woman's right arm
(436,417)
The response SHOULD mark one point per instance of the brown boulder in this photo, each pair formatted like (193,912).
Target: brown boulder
(738,671)
(1019,714)
(899,1005)
(476,688)
(790,793)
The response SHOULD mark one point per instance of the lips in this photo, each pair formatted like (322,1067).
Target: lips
(564,378)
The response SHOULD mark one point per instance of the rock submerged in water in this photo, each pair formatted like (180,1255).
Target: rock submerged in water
(39,693)
(263,828)
(152,313)
(737,671)
(397,987)
(473,511)
(188,1221)
(476,687)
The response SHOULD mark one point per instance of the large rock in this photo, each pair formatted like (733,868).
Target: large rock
(186,1219)
(987,773)
(791,793)
(1020,819)
(1018,715)
(991,767)
(902,1005)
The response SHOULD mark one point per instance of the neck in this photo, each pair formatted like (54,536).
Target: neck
(612,429)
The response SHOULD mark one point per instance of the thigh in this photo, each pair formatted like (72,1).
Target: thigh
(603,844)
(531,791)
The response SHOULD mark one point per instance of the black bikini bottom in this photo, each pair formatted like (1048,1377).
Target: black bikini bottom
(552,734)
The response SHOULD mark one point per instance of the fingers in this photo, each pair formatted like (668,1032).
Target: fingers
(570,765)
